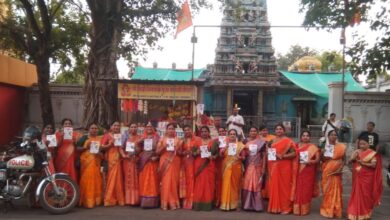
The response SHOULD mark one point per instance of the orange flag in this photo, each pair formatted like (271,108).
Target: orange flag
(183,18)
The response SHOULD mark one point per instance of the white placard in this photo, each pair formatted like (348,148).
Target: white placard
(124,130)
(170,144)
(68,133)
(179,132)
(130,147)
(52,139)
(148,144)
(253,149)
(200,109)
(329,151)
(232,149)
(161,132)
(117,140)
(204,152)
(222,141)
(140,130)
(94,147)
(304,157)
(271,154)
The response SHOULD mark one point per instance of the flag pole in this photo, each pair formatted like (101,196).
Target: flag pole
(193,41)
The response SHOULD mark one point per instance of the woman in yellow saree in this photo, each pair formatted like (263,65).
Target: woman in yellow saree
(231,172)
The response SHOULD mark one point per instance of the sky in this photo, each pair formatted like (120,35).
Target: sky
(280,13)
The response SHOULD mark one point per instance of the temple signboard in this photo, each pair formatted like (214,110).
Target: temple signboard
(156,91)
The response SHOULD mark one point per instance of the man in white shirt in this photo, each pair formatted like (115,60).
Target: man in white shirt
(329,125)
(236,122)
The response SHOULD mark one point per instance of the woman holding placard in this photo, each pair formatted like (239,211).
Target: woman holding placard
(307,185)
(331,184)
(231,172)
(254,172)
(204,165)
(112,142)
(148,165)
(282,167)
(129,154)
(169,149)
(50,139)
(66,153)
(91,185)
(219,143)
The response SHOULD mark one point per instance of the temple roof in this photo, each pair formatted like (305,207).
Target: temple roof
(160,74)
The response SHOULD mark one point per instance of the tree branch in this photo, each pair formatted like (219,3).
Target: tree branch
(54,12)
(30,17)
(45,18)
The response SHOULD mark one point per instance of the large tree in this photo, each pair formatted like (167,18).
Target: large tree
(371,59)
(121,28)
(293,54)
(41,32)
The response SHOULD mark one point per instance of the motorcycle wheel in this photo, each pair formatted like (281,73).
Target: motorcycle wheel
(65,201)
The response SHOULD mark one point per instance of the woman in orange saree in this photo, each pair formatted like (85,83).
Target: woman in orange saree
(112,142)
(366,181)
(64,161)
(129,165)
(264,135)
(91,185)
(169,148)
(254,171)
(219,143)
(307,186)
(331,184)
(147,166)
(205,172)
(282,168)
(190,143)
(231,172)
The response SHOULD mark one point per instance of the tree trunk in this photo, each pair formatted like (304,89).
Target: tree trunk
(101,105)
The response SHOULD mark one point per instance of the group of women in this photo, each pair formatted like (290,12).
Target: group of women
(201,173)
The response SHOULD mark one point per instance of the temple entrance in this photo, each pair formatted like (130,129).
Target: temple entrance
(304,109)
(247,101)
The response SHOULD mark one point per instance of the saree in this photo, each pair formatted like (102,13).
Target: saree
(366,186)
(218,175)
(187,173)
(231,180)
(114,193)
(130,174)
(306,181)
(91,183)
(264,191)
(169,174)
(331,184)
(64,161)
(205,180)
(148,178)
(252,184)
(282,178)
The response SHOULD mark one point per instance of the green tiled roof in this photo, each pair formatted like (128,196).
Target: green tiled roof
(157,74)
(317,83)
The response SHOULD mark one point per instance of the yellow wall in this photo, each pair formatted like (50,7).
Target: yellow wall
(17,72)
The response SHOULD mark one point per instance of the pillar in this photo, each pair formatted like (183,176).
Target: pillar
(229,98)
(335,102)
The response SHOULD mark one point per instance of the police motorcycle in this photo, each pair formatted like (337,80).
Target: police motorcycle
(25,166)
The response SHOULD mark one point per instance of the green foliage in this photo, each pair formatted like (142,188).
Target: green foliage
(295,53)
(331,61)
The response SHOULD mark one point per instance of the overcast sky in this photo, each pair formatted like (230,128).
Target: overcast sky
(280,12)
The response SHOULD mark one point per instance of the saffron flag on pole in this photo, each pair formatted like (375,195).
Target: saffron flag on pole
(183,18)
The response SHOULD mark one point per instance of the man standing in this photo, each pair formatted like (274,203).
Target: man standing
(373,138)
(236,122)
(330,124)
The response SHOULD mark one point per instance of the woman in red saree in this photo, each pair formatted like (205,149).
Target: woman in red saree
(190,143)
(331,184)
(282,172)
(219,143)
(231,172)
(66,153)
(205,172)
(169,148)
(49,130)
(147,166)
(111,142)
(366,181)
(307,186)
(129,164)
(91,184)
(254,172)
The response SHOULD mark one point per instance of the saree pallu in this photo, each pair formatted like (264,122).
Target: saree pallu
(331,184)
(251,189)
(366,187)
(282,176)
(231,180)
(306,182)
(66,155)
(91,183)
(131,185)
(169,174)
(114,194)
(204,190)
